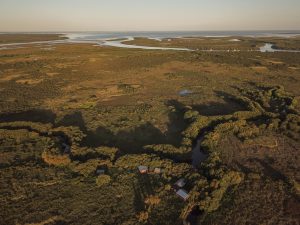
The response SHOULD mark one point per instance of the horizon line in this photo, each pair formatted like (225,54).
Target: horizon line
(112,31)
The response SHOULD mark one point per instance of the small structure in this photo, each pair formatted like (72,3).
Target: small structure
(100,171)
(143,169)
(180,183)
(183,194)
(157,170)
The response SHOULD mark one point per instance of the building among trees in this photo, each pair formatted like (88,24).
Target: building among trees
(143,169)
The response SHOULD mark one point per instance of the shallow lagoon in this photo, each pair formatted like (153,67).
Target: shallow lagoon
(118,39)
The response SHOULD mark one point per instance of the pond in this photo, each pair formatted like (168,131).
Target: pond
(268,47)
(185,92)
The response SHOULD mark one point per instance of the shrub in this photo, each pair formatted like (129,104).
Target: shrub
(108,152)
(170,151)
(103,180)
(152,200)
(191,115)
(143,216)
(247,132)
(55,159)
(89,167)
(73,133)
(212,202)
(193,130)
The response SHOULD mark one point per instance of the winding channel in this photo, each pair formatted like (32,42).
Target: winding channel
(268,47)
(121,44)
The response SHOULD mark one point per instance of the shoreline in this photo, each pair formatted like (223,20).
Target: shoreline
(120,42)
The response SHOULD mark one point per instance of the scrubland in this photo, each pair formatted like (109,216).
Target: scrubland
(68,110)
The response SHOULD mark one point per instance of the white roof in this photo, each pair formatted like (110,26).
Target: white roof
(141,168)
(183,194)
(181,182)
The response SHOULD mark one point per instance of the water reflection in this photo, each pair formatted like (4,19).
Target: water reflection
(270,48)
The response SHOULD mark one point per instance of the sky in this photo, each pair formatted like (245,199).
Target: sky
(148,15)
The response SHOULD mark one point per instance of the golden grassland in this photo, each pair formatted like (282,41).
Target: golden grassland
(23,38)
(221,43)
(121,108)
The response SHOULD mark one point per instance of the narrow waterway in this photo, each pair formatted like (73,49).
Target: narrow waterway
(121,43)
(198,155)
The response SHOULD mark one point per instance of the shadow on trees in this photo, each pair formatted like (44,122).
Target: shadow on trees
(74,119)
(35,115)
(176,123)
(193,217)
(256,86)
(271,171)
(264,166)
(129,140)
(142,188)
(213,108)
(243,168)
(132,140)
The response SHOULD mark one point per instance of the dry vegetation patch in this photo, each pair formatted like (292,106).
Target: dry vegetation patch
(77,122)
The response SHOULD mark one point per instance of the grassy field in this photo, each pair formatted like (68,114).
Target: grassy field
(228,43)
(120,108)
(23,38)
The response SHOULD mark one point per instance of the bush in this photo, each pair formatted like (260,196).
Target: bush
(103,180)
(55,159)
(180,154)
(191,115)
(143,217)
(89,168)
(108,152)
(152,200)
(193,130)
(212,202)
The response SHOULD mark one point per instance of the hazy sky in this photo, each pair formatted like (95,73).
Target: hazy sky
(131,15)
